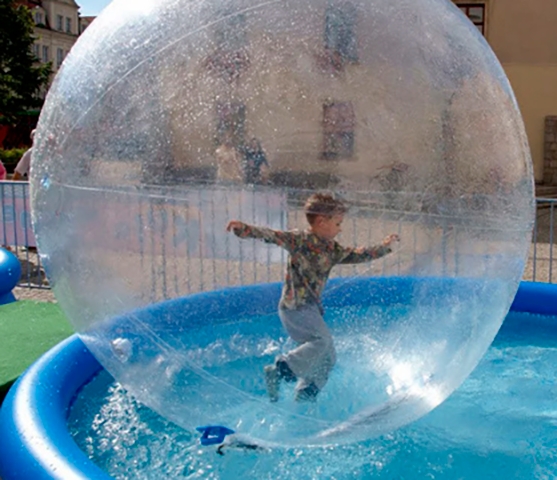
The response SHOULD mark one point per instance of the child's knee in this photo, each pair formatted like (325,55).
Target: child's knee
(328,352)
(330,348)
(326,341)
(333,356)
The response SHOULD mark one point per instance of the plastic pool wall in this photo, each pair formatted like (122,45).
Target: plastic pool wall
(35,442)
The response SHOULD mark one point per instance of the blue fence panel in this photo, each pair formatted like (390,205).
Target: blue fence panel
(16,233)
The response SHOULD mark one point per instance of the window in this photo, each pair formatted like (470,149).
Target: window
(340,31)
(476,13)
(68,25)
(230,57)
(36,50)
(59,57)
(231,33)
(39,18)
(59,22)
(338,130)
(230,122)
(46,57)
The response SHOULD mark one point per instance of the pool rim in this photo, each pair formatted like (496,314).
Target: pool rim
(35,441)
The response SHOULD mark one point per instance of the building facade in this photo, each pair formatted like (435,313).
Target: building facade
(56,29)
(84,22)
(314,88)
(522,34)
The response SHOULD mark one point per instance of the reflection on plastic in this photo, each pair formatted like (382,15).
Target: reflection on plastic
(165,123)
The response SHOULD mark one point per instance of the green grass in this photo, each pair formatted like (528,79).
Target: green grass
(27,330)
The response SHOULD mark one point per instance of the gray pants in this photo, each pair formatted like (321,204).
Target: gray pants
(315,357)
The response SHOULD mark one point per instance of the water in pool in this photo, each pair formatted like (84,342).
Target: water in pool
(501,424)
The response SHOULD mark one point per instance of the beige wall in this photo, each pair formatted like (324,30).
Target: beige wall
(535,88)
(54,40)
(523,31)
(284,97)
(523,35)
(395,122)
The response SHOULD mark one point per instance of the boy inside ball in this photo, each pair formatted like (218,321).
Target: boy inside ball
(312,254)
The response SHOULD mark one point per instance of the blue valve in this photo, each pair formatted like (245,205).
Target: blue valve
(213,434)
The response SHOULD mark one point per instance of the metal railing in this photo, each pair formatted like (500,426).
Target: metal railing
(17,235)
(159,229)
(541,264)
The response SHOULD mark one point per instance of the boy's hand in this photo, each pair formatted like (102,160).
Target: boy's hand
(393,237)
(233,224)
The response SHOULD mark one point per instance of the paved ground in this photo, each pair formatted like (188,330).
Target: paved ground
(545,271)
(40,295)
(145,273)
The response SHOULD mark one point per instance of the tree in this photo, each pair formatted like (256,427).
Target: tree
(22,78)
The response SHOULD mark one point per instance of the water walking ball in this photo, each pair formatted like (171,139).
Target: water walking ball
(169,118)
(10,271)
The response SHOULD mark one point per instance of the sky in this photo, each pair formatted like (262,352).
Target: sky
(92,7)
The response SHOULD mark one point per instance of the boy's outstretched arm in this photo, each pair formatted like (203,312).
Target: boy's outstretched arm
(286,240)
(363,254)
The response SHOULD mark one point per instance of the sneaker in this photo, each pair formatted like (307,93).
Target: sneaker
(307,394)
(284,371)
(272,380)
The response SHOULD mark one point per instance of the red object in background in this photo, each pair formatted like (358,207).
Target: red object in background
(3,134)
(17,135)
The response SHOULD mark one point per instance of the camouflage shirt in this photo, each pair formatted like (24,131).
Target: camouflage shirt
(310,261)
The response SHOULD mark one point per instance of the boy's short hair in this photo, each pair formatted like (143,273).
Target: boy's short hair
(323,205)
